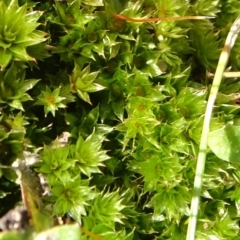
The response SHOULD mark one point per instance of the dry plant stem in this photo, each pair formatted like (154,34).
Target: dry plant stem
(232,35)
(226,75)
(142,20)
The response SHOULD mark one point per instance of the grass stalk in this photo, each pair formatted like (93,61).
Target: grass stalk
(231,38)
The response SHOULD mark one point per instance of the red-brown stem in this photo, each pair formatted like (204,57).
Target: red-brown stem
(91,234)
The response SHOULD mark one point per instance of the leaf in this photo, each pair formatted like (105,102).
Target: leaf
(77,212)
(99,49)
(90,120)
(153,70)
(225,143)
(94,88)
(118,108)
(5,58)
(60,11)
(67,231)
(84,96)
(94,3)
(13,235)
(16,104)
(148,169)
(127,37)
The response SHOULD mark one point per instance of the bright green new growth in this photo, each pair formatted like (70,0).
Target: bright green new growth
(71,196)
(88,155)
(82,82)
(53,100)
(17,32)
(107,208)
(56,163)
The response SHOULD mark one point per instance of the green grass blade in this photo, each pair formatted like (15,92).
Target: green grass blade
(231,38)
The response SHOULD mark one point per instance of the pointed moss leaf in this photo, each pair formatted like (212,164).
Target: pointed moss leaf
(94,3)
(20,53)
(114,51)
(16,104)
(5,58)
(223,98)
(99,48)
(94,88)
(153,70)
(105,109)
(25,98)
(86,52)
(77,212)
(39,51)
(84,96)
(5,45)
(60,11)
(90,120)
(118,108)
(29,84)
(102,129)
(10,74)
(225,143)
(61,233)
(156,94)
(127,37)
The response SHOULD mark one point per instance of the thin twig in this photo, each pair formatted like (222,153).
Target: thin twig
(231,38)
